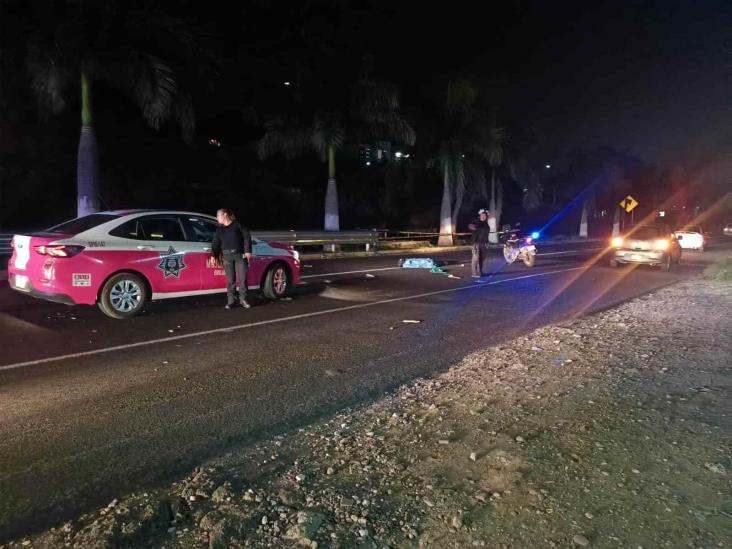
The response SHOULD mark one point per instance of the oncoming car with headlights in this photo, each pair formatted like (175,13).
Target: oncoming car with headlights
(122,259)
(646,245)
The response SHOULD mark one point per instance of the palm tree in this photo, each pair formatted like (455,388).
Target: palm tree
(142,52)
(462,141)
(496,154)
(371,113)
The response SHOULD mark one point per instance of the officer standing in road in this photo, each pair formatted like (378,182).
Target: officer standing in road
(481,233)
(232,245)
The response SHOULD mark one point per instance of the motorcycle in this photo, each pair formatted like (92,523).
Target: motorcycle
(515,247)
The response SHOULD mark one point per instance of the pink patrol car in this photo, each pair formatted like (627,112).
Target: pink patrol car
(121,259)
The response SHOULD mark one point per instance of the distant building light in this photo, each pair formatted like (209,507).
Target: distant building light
(214,142)
(398,154)
(661,214)
(368,163)
(287,82)
(548,166)
(406,156)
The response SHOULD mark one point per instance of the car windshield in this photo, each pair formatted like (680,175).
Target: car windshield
(81,224)
(646,233)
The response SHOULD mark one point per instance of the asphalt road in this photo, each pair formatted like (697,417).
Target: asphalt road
(91,408)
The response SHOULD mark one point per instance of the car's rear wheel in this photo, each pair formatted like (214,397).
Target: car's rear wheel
(123,296)
(276,281)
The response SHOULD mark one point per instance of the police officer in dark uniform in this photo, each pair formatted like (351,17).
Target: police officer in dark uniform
(481,232)
(232,245)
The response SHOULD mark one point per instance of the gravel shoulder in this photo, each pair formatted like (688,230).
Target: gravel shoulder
(612,430)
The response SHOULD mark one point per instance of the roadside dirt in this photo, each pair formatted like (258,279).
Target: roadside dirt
(608,431)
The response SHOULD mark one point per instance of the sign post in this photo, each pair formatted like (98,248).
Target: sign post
(629,204)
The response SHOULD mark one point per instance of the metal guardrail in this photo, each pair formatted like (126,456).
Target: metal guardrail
(300,238)
(328,239)
(368,238)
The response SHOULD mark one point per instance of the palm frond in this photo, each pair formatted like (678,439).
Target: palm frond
(186,117)
(283,136)
(327,131)
(153,87)
(50,79)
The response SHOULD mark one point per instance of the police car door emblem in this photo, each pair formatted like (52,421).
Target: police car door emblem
(171,263)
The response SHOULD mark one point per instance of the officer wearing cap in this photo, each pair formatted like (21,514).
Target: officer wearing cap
(481,232)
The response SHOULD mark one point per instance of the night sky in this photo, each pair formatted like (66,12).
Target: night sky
(652,76)
(648,77)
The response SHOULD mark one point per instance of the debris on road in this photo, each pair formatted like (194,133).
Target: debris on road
(409,321)
(369,275)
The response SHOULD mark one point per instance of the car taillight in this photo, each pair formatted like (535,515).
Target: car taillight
(617,241)
(59,251)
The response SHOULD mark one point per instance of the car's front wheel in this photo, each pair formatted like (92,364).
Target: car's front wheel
(123,296)
(276,281)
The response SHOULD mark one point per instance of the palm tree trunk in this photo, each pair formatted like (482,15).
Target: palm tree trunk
(493,191)
(583,220)
(493,218)
(445,238)
(87,160)
(459,183)
(616,221)
(332,221)
(499,201)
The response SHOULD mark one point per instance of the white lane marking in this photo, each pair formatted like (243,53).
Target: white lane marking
(571,251)
(352,272)
(271,321)
(464,261)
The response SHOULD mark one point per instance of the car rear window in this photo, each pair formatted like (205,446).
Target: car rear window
(161,228)
(81,224)
(644,233)
(130,229)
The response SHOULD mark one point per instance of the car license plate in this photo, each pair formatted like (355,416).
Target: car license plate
(21,282)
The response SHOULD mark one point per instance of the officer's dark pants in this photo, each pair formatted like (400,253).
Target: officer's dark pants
(236,267)
(479,261)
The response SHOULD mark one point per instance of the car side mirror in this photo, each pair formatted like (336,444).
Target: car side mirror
(679,237)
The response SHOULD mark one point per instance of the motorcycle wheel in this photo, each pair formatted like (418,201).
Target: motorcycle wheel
(529,260)
(509,254)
